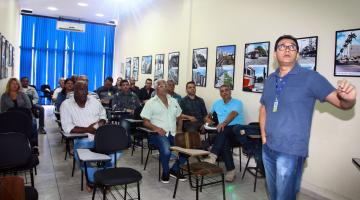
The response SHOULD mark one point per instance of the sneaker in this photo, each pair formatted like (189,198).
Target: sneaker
(165,178)
(211,158)
(230,175)
(181,177)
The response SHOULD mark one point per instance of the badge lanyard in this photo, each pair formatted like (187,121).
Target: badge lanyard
(280,84)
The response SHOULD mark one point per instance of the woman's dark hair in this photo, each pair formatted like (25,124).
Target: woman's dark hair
(63,91)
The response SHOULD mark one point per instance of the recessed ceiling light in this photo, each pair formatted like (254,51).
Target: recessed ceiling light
(99,15)
(82,4)
(52,8)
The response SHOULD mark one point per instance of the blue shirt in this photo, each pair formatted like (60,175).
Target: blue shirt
(223,110)
(288,129)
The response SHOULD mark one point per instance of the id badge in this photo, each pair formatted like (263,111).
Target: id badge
(276,104)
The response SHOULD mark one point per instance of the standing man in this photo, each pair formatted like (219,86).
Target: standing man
(145,92)
(194,107)
(287,106)
(34,97)
(161,114)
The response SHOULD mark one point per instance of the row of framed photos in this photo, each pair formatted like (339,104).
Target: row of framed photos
(6,58)
(256,61)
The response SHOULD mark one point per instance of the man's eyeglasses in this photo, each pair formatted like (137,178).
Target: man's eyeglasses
(283,47)
(162,86)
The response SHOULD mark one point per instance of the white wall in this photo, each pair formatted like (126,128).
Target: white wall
(183,25)
(9,27)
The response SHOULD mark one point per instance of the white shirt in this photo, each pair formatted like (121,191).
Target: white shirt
(160,115)
(56,92)
(72,115)
(33,93)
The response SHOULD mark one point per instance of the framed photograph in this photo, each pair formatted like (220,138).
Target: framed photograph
(173,73)
(146,65)
(128,68)
(159,66)
(256,66)
(3,57)
(347,53)
(308,52)
(136,68)
(225,66)
(199,66)
(12,57)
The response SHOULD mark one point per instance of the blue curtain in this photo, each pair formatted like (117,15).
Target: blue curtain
(48,54)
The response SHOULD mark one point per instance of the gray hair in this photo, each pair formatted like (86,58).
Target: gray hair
(158,82)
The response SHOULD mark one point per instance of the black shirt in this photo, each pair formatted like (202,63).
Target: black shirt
(194,107)
(144,95)
(106,93)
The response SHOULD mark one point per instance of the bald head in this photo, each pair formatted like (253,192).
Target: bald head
(80,92)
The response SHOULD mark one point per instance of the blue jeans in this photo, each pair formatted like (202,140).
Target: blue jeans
(163,143)
(283,174)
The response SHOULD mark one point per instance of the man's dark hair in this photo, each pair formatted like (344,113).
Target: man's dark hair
(109,78)
(148,79)
(123,81)
(289,37)
(190,82)
(24,77)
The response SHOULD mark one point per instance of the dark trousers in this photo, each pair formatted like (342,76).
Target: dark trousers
(41,112)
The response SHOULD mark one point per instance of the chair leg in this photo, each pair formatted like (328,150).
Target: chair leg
(35,170)
(138,189)
(82,180)
(67,147)
(246,166)
(256,174)
(197,188)
(147,158)
(223,186)
(73,167)
(176,185)
(159,169)
(32,178)
(94,192)
(125,191)
(133,147)
(142,151)
(202,182)
(240,158)
(104,193)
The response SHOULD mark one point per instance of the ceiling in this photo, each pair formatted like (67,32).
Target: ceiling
(111,9)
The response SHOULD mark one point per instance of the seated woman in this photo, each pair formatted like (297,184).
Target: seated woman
(64,94)
(15,98)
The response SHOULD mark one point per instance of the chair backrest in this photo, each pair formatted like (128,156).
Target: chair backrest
(16,120)
(188,140)
(110,139)
(15,150)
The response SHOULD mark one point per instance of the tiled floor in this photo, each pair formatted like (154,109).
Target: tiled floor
(54,181)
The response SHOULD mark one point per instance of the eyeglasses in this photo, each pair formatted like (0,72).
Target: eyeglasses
(162,86)
(283,47)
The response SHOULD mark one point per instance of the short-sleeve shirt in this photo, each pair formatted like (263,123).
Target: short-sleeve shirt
(160,115)
(288,129)
(223,110)
(72,115)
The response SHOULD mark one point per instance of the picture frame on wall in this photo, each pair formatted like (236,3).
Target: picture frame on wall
(347,53)
(199,66)
(146,64)
(308,52)
(136,68)
(173,70)
(12,61)
(3,57)
(159,66)
(256,66)
(8,59)
(225,66)
(127,68)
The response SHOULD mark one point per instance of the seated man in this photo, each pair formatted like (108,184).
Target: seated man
(58,89)
(83,114)
(135,89)
(90,93)
(34,97)
(171,90)
(230,113)
(125,100)
(193,107)
(107,91)
(146,91)
(160,114)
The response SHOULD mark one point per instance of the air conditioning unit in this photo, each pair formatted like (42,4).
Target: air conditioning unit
(70,26)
